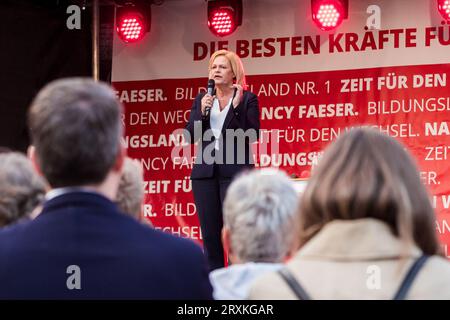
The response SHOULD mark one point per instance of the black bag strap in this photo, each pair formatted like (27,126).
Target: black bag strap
(409,278)
(298,290)
(293,284)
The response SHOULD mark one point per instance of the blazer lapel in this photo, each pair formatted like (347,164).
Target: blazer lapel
(230,113)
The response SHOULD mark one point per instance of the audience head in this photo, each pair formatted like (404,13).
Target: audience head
(21,189)
(75,129)
(260,217)
(131,193)
(367,174)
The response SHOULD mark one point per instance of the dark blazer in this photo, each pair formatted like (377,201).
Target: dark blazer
(245,116)
(119,258)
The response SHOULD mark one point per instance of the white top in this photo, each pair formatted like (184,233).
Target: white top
(217,119)
(234,282)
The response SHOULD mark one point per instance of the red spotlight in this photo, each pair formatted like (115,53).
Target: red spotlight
(132,22)
(444,8)
(224,16)
(329,14)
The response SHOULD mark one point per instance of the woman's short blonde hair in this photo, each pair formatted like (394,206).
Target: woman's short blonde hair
(367,174)
(236,65)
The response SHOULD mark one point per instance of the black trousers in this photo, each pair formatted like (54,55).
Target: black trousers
(208,196)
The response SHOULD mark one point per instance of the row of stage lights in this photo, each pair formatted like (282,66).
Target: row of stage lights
(224,16)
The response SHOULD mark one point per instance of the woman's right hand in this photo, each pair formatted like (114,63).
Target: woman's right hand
(207,102)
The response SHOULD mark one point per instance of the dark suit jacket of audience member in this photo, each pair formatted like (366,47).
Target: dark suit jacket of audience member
(245,116)
(117,256)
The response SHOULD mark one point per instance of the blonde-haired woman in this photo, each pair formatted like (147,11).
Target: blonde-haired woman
(367,229)
(224,123)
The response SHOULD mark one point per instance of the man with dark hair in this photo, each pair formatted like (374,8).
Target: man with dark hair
(81,246)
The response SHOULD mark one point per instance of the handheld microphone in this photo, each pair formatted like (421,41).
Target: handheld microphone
(211,85)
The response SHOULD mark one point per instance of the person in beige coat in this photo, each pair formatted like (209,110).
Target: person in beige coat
(367,229)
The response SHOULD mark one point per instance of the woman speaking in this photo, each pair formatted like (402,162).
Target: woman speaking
(227,116)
